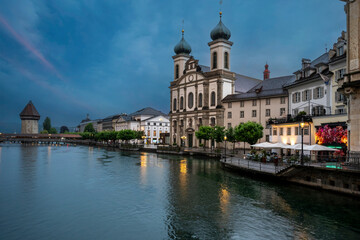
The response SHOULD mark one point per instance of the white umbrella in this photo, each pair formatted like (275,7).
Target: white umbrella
(263,145)
(281,145)
(298,147)
(317,147)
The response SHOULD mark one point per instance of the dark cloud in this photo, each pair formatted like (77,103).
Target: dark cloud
(104,57)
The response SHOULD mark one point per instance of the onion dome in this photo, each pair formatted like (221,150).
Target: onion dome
(182,46)
(220,31)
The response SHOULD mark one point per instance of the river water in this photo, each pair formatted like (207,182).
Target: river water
(53,192)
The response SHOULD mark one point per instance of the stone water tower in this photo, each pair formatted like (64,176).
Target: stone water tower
(29,119)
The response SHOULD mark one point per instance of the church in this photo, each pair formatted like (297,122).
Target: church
(196,91)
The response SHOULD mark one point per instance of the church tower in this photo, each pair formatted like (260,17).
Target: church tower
(266,72)
(29,119)
(220,47)
(182,51)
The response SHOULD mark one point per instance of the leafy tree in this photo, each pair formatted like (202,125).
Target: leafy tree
(218,134)
(53,130)
(139,135)
(44,132)
(249,132)
(230,135)
(89,128)
(205,133)
(47,124)
(64,129)
(126,135)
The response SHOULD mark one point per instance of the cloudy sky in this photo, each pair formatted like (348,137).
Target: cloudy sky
(102,57)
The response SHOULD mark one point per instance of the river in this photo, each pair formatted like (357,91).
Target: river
(67,192)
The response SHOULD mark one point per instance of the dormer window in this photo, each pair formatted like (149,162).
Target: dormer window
(214,58)
(340,50)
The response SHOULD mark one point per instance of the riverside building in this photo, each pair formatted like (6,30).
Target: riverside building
(197,90)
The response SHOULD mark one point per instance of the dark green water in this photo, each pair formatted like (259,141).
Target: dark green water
(90,193)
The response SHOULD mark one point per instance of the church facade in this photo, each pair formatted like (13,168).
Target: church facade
(197,90)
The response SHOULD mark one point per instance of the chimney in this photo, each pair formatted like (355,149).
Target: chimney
(266,72)
(305,63)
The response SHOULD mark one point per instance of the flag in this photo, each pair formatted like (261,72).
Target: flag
(325,78)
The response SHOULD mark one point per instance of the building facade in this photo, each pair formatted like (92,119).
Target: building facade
(29,119)
(196,90)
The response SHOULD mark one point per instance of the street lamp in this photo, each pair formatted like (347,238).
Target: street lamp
(143,137)
(302,124)
(225,138)
(183,140)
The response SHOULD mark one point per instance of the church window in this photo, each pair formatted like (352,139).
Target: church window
(177,71)
(191,100)
(226,60)
(213,99)
(181,102)
(174,107)
(214,60)
(200,99)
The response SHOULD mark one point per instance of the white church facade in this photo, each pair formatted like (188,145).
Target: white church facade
(196,90)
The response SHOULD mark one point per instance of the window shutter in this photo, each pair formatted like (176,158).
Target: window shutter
(321,92)
(309,92)
(303,96)
(315,93)
(293,98)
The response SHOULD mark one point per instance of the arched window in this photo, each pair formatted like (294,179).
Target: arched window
(174,104)
(226,60)
(200,99)
(177,71)
(181,102)
(213,100)
(191,100)
(214,60)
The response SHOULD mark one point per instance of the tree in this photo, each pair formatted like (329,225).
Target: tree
(44,132)
(126,135)
(64,129)
(89,128)
(230,135)
(205,133)
(53,130)
(249,132)
(47,124)
(218,134)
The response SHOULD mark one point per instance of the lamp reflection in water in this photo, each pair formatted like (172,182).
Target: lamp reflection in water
(183,178)
(143,165)
(224,196)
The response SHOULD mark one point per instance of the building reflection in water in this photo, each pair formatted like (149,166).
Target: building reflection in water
(29,156)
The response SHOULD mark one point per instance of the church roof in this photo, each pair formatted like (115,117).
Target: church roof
(244,83)
(267,88)
(30,112)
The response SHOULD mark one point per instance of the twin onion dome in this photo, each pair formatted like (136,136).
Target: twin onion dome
(220,31)
(182,46)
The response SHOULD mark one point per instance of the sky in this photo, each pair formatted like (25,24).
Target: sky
(103,57)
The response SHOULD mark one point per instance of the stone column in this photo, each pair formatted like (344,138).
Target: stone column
(206,95)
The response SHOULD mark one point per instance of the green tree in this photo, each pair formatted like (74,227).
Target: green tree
(126,135)
(230,135)
(218,134)
(53,130)
(44,132)
(89,128)
(249,132)
(204,133)
(47,124)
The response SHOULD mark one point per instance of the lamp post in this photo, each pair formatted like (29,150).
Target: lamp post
(143,137)
(183,140)
(302,124)
(225,138)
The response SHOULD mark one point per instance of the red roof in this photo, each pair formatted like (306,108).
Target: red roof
(30,112)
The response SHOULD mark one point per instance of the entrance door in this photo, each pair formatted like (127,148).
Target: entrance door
(190,140)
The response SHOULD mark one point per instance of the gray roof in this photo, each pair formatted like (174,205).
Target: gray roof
(322,59)
(204,68)
(148,111)
(267,88)
(244,83)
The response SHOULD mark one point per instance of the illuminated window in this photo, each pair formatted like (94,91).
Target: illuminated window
(154,133)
